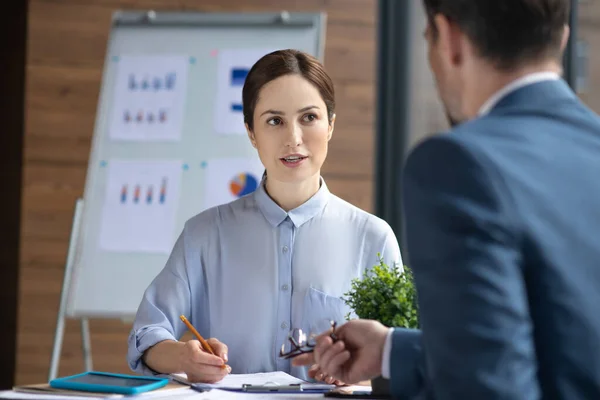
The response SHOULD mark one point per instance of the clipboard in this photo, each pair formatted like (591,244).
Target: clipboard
(293,388)
(297,388)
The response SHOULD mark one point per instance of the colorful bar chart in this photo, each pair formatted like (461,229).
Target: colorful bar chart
(149,190)
(156,83)
(141,201)
(149,98)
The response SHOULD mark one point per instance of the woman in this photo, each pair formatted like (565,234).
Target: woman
(247,272)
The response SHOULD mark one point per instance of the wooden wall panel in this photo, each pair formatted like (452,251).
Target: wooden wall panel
(66,49)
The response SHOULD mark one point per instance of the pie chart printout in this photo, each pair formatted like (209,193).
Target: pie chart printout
(243,184)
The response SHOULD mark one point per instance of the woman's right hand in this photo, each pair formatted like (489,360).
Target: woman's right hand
(200,365)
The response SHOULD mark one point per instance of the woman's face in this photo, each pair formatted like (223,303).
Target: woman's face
(291,129)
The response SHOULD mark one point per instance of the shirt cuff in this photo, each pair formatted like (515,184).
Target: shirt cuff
(385,359)
(141,341)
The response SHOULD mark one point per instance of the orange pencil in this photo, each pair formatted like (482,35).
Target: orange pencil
(199,336)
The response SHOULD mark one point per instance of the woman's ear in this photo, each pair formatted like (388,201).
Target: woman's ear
(331,125)
(251,135)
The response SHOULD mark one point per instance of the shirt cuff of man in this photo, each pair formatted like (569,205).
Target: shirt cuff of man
(387,349)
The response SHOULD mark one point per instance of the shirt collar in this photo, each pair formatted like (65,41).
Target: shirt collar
(514,85)
(299,215)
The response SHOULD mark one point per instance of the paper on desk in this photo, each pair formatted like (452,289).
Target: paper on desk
(236,381)
(217,394)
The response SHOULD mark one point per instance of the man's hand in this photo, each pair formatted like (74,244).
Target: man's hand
(316,373)
(356,355)
(201,366)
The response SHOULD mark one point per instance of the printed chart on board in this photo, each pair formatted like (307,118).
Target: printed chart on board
(228,179)
(233,67)
(149,98)
(140,205)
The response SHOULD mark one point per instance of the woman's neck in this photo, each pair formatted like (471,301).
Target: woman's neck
(291,195)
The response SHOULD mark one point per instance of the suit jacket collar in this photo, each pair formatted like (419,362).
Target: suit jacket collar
(515,85)
(535,95)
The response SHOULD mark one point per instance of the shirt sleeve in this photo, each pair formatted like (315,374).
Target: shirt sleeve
(157,318)
(385,359)
(391,250)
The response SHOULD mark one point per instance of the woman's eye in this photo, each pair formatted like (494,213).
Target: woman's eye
(309,117)
(274,121)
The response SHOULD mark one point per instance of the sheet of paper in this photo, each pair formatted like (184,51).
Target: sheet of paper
(140,206)
(237,380)
(217,394)
(227,179)
(266,378)
(149,98)
(233,66)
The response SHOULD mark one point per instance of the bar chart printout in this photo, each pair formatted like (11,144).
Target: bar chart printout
(140,206)
(233,68)
(149,98)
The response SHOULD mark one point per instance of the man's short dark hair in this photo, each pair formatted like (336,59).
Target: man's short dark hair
(508,33)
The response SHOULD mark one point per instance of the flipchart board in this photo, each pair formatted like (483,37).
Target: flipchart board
(169,141)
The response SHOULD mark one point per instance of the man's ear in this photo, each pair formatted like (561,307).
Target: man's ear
(565,38)
(450,40)
(331,126)
(251,135)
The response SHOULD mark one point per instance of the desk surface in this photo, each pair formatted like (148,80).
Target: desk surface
(173,391)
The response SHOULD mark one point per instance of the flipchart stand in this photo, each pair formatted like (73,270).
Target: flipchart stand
(62,308)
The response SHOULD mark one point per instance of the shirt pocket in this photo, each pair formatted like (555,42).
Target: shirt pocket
(320,308)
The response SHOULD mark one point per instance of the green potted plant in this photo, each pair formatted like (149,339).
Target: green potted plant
(386,294)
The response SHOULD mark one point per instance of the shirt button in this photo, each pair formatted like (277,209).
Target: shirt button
(285,287)
(284,325)
(285,249)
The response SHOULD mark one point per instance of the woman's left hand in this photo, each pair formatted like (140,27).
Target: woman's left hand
(316,373)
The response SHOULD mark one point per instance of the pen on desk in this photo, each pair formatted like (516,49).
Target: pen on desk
(199,336)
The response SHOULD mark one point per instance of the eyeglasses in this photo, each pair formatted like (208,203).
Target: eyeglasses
(298,343)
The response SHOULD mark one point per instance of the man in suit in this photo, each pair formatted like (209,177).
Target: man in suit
(502,221)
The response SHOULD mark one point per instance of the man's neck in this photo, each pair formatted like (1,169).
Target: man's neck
(292,195)
(490,81)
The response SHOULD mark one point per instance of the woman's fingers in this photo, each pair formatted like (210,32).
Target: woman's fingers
(210,371)
(202,357)
(219,348)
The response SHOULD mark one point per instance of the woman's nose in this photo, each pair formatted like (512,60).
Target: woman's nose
(294,138)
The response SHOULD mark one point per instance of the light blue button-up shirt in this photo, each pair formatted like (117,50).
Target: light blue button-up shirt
(247,272)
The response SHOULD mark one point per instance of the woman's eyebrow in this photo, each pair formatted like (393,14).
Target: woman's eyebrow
(277,112)
(306,108)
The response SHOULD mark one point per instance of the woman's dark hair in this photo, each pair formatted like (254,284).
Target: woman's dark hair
(278,64)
